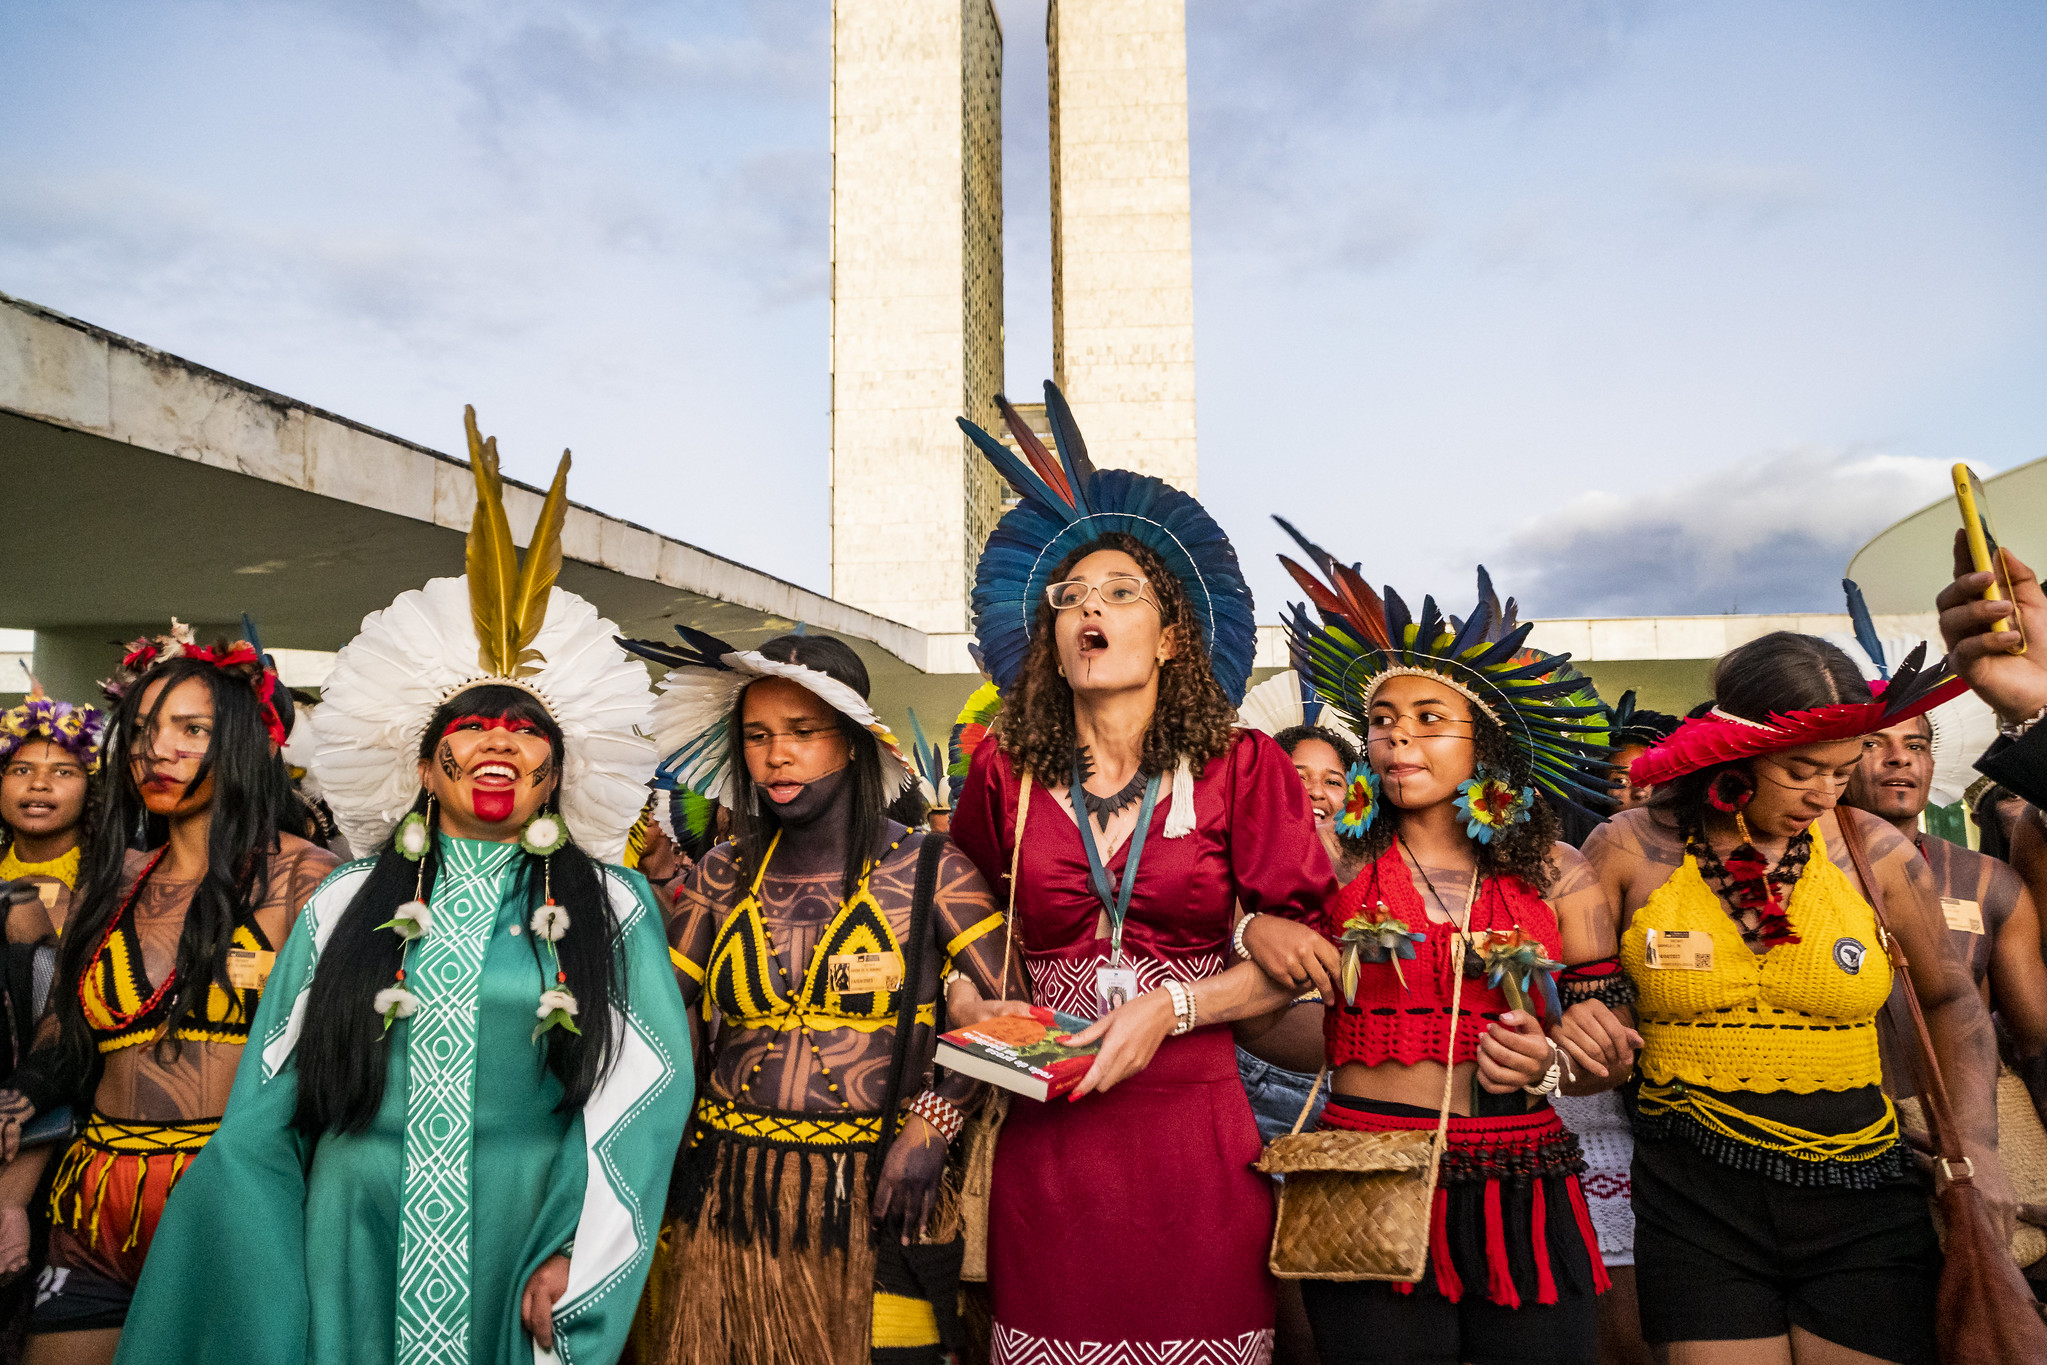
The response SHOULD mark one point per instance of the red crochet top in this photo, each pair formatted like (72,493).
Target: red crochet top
(1390,1023)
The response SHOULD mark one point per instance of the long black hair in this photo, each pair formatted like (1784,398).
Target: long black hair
(754,822)
(1774,674)
(343,1053)
(250,790)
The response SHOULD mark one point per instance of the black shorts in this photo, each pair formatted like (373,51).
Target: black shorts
(1361,1321)
(78,1299)
(1726,1255)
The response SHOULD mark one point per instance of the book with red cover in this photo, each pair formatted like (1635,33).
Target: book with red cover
(1021,1052)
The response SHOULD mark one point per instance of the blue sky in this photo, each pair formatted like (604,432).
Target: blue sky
(1652,308)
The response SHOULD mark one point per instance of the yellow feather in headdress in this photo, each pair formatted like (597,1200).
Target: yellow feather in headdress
(507,599)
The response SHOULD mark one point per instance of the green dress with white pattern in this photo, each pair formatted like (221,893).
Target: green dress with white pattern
(411,1242)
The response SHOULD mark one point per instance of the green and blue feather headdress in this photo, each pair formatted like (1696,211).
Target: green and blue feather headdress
(1067,503)
(1548,709)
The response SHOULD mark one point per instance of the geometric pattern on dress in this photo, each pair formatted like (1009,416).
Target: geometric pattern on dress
(1609,1148)
(1067,984)
(434,1224)
(1012,1347)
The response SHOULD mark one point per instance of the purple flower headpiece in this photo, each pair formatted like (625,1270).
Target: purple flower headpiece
(75,729)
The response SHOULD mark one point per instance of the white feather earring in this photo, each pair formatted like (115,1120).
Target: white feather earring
(1180,820)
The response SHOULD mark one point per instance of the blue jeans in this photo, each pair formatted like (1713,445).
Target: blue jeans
(1277,1095)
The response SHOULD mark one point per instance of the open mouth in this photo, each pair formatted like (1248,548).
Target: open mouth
(34,809)
(781,793)
(1092,640)
(494,774)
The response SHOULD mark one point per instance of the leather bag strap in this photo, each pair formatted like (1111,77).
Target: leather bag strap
(1023,811)
(1926,1065)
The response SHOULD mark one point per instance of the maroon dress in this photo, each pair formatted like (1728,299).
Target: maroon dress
(1133,1217)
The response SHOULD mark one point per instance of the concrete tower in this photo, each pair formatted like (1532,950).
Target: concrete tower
(1122,231)
(916,301)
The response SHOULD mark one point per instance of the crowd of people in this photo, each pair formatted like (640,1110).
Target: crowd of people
(495,1006)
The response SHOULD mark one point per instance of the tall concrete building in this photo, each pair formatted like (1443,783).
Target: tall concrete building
(916,301)
(1122,231)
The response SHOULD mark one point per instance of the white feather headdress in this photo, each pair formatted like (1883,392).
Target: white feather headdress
(692,718)
(501,623)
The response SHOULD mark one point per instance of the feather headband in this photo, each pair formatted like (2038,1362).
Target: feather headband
(692,718)
(970,729)
(241,659)
(1549,710)
(502,623)
(1722,737)
(1065,503)
(73,728)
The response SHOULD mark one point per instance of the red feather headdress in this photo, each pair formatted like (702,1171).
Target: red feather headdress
(1719,737)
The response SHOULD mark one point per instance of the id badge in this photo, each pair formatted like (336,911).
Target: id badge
(1115,986)
(248,970)
(1964,916)
(864,973)
(1684,950)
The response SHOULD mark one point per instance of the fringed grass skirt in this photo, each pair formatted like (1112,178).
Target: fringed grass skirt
(773,1260)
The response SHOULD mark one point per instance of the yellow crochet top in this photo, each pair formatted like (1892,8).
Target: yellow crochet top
(1800,1017)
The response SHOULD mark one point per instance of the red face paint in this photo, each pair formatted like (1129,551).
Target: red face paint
(517,727)
(493,806)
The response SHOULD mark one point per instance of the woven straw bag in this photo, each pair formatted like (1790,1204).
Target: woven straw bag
(1355,1206)
(985,1127)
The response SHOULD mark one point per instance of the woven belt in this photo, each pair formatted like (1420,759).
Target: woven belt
(780,1128)
(132,1137)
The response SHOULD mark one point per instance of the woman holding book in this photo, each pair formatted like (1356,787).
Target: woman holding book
(1137,819)
(1454,935)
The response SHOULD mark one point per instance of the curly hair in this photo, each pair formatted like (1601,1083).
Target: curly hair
(1192,720)
(1525,850)
(1290,738)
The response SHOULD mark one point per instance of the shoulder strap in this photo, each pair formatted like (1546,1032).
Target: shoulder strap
(1926,1065)
(928,855)
(1023,810)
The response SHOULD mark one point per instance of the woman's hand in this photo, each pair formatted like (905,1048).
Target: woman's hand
(1513,1053)
(15,1112)
(964,1006)
(1597,1041)
(13,1241)
(1295,956)
(2015,685)
(1130,1035)
(543,1291)
(908,1189)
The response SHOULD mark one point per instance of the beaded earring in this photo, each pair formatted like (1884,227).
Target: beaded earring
(557,1008)
(411,921)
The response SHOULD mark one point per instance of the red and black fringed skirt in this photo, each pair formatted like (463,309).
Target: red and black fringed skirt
(1510,1221)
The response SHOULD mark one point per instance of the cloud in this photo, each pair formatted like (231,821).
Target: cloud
(1746,193)
(1768,534)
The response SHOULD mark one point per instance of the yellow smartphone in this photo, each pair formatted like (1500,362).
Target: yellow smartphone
(1975,508)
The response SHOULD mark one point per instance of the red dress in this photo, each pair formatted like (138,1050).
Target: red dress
(1133,1217)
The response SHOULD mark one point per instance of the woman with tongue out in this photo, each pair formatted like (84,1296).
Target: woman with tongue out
(451,1137)
(1139,822)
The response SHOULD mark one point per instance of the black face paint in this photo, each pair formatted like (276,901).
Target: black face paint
(544,771)
(449,766)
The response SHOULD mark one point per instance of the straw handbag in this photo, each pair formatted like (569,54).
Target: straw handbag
(2021,1145)
(1355,1206)
(978,1141)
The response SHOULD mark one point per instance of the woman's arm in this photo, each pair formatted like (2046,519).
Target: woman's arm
(1130,1035)
(1599,1040)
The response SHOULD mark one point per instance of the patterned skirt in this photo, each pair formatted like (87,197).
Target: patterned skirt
(1601,1123)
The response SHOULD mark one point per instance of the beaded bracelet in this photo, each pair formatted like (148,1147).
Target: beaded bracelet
(942,1114)
(1184,1012)
(1237,939)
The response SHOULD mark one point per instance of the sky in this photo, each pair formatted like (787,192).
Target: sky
(1651,308)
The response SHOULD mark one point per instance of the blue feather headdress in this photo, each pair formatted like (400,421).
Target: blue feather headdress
(1067,503)
(1548,709)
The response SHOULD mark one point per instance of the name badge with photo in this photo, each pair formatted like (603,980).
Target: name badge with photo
(248,969)
(863,973)
(1115,986)
(1966,916)
(1682,950)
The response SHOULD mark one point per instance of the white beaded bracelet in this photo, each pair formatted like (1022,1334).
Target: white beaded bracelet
(1237,939)
(1183,1007)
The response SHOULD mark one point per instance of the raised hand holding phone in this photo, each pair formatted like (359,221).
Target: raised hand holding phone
(1974,624)
(1981,540)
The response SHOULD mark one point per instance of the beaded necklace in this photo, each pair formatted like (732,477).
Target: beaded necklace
(1752,890)
(124,1020)
(796,997)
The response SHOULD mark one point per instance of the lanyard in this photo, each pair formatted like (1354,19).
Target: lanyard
(1118,904)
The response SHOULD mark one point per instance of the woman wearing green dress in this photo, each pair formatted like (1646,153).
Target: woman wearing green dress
(451,1136)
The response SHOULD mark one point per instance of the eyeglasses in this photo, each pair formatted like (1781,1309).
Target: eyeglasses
(1116,592)
(1379,729)
(801,735)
